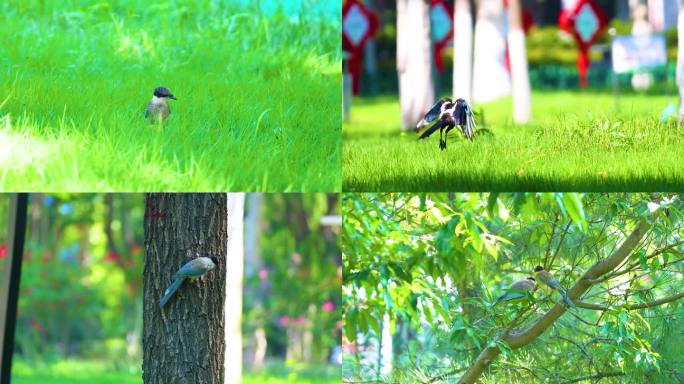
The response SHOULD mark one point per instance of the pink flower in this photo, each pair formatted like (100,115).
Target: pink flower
(283,321)
(263,274)
(301,320)
(328,306)
(112,256)
(296,258)
(3,251)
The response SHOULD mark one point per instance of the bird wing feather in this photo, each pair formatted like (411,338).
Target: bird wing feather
(432,129)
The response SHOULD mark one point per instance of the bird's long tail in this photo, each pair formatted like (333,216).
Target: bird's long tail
(469,127)
(431,130)
(171,290)
(566,298)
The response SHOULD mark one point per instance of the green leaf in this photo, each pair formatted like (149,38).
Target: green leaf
(575,210)
(492,202)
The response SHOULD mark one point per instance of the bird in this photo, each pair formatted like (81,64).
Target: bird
(518,291)
(549,280)
(448,115)
(158,110)
(190,270)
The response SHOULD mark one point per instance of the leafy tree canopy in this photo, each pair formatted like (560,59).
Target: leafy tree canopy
(432,265)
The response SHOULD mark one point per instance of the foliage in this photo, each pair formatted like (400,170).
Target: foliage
(78,295)
(577,141)
(297,287)
(76,78)
(435,263)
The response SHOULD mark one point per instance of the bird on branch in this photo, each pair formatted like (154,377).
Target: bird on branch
(550,281)
(448,114)
(517,292)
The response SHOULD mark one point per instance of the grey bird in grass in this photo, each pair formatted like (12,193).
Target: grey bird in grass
(158,110)
(190,270)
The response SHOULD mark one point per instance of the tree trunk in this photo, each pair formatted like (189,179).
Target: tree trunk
(520,77)
(414,61)
(463,50)
(490,77)
(183,342)
(234,276)
(256,351)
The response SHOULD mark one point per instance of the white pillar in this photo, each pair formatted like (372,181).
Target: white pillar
(463,51)
(490,77)
(414,61)
(520,76)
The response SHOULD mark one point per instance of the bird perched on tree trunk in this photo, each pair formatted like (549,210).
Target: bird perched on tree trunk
(158,110)
(448,115)
(518,291)
(190,270)
(549,280)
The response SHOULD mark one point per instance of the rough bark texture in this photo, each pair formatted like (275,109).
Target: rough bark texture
(183,342)
(519,339)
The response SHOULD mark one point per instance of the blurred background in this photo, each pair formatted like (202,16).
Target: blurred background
(80,304)
(575,87)
(551,51)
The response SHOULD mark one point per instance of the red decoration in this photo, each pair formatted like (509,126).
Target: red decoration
(358,25)
(586,22)
(441,17)
(3,251)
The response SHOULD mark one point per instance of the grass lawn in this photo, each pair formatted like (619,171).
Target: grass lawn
(577,141)
(92,372)
(258,104)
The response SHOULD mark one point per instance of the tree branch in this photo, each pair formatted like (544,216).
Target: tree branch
(664,300)
(519,339)
(593,378)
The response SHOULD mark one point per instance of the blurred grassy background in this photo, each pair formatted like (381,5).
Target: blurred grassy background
(77,371)
(257,84)
(576,141)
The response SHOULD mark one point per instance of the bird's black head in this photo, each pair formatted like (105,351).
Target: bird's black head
(214,259)
(531,278)
(163,92)
(538,268)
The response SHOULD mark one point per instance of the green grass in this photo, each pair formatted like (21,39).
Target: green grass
(577,141)
(258,104)
(73,371)
(94,372)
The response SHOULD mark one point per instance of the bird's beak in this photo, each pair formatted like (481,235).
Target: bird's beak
(172,97)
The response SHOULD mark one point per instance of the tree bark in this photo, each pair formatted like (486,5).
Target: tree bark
(414,61)
(519,339)
(183,342)
(463,50)
(520,76)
